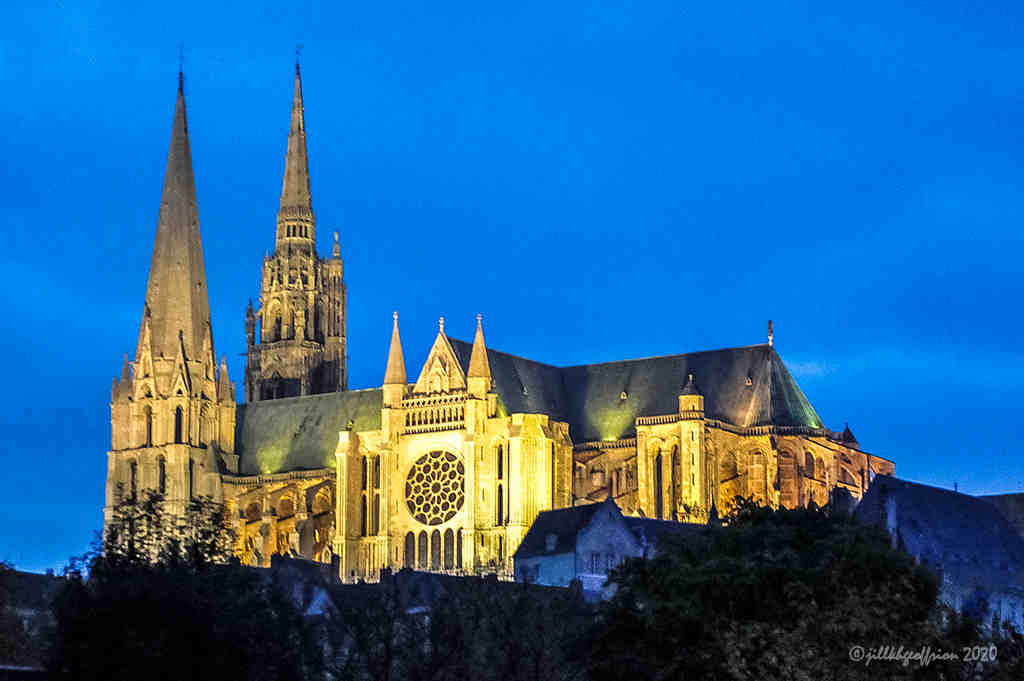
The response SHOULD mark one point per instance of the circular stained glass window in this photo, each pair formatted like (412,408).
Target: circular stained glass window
(436,488)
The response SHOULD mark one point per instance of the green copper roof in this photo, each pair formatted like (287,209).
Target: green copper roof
(297,433)
(745,387)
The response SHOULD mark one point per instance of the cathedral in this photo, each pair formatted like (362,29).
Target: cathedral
(444,470)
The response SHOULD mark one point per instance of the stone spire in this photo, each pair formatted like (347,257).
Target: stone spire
(478,379)
(177,303)
(479,367)
(395,372)
(295,219)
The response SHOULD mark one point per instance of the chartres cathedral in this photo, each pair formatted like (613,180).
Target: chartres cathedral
(446,469)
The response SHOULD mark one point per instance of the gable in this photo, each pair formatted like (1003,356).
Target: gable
(442,371)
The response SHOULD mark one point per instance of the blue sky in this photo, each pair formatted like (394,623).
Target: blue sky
(601,180)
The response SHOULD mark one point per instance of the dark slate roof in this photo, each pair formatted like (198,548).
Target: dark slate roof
(650,530)
(30,590)
(298,433)
(588,396)
(943,527)
(564,523)
(1011,506)
(524,386)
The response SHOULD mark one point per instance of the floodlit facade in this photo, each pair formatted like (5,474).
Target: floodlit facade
(446,470)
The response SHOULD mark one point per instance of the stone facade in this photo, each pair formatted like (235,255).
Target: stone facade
(446,473)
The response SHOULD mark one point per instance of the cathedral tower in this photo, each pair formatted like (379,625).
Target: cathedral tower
(296,340)
(173,410)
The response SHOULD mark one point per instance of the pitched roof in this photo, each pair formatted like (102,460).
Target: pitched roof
(297,433)
(650,530)
(524,386)
(942,527)
(563,523)
(176,297)
(1011,506)
(589,396)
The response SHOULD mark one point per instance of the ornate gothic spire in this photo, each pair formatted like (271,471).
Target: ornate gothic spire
(295,219)
(395,372)
(177,303)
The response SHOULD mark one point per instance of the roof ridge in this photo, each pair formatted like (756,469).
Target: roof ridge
(314,395)
(617,361)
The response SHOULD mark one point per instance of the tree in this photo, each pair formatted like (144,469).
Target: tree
(161,599)
(772,594)
(16,643)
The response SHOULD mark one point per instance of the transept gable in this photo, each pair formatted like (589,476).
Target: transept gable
(442,372)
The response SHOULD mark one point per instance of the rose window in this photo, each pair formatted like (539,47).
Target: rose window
(436,487)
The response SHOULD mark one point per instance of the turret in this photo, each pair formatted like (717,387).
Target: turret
(691,402)
(478,379)
(394,373)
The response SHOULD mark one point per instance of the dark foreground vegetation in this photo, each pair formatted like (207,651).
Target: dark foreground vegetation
(769,595)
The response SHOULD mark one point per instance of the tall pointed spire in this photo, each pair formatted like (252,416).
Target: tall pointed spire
(295,219)
(479,367)
(177,302)
(395,372)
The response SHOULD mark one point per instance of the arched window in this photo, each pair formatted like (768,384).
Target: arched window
(449,549)
(423,550)
(147,415)
(499,518)
(500,462)
(551,472)
(362,516)
(809,468)
(435,550)
(659,492)
(134,480)
(179,418)
(191,477)
(675,482)
(458,550)
(162,475)
(375,515)
(410,551)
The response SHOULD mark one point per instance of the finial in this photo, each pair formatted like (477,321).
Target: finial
(689,378)
(298,51)
(336,251)
(479,320)
(440,324)
(181,67)
(395,316)
(771,334)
